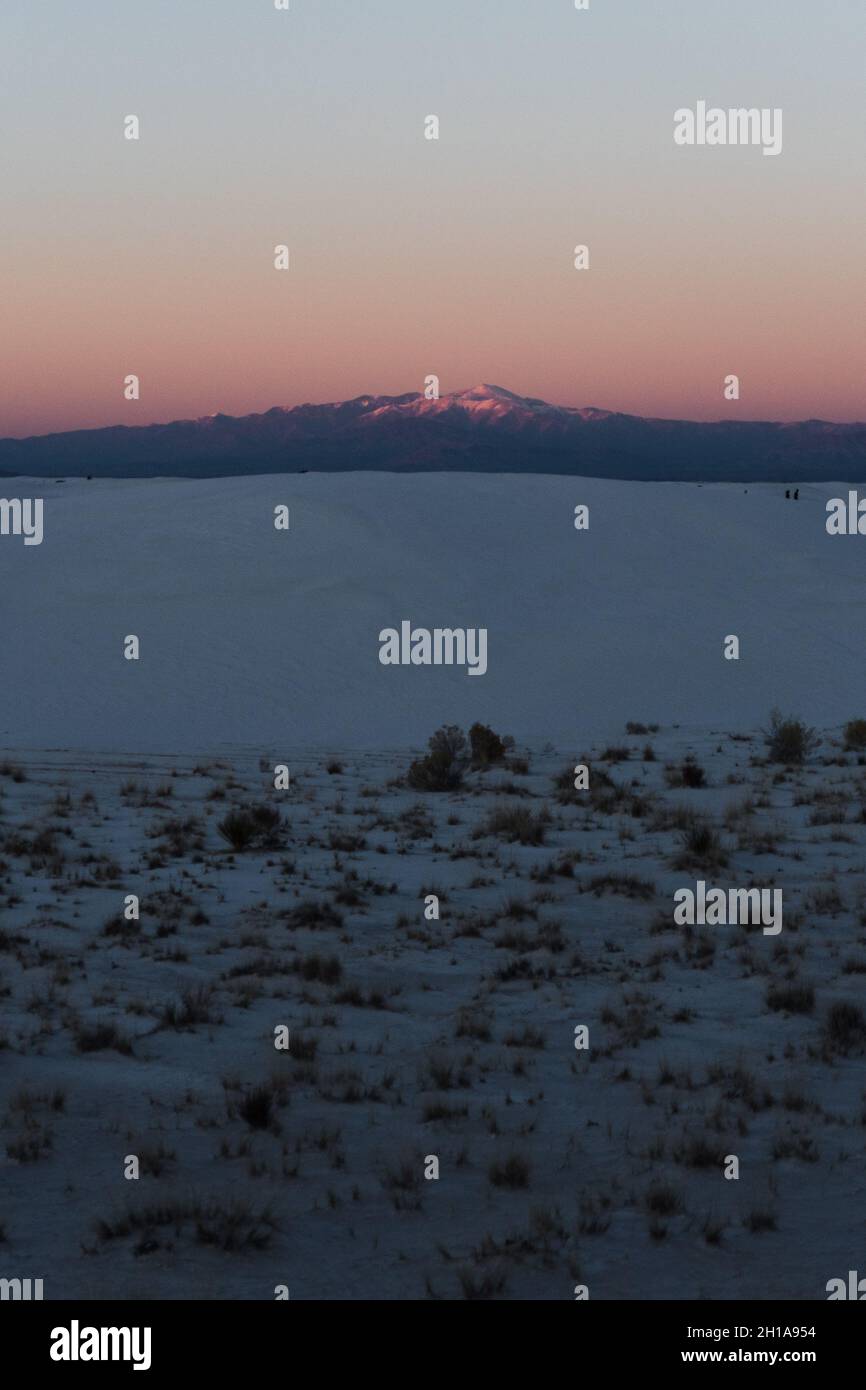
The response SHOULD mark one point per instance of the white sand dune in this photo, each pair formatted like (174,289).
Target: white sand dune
(249,634)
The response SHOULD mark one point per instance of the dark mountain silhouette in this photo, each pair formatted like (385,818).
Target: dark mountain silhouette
(485,429)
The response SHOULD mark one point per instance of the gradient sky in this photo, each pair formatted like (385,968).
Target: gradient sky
(410,256)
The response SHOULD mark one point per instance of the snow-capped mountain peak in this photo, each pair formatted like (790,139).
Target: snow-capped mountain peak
(481,428)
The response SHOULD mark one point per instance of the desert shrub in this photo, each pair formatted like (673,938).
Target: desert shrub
(194,1006)
(31,1145)
(303,1049)
(825,899)
(512,1172)
(257,1107)
(855,735)
(699,1151)
(795,1145)
(701,845)
(327,970)
(179,835)
(760,1219)
(736,1082)
(563,782)
(635,1022)
(487,747)
(444,1071)
(269,823)
(788,740)
(357,999)
(231,1225)
(115,925)
(616,753)
(27,1103)
(312,916)
(629,885)
(234,1226)
(549,937)
(791,996)
(41,848)
(513,939)
(692,774)
(674,817)
(155,1158)
(605,794)
(485,1284)
(100,1037)
(527,1036)
(688,773)
(346,843)
(443,768)
(845,1027)
(402,1181)
(828,815)
(451,741)
(249,826)
(473,1023)
(663,1200)
(347,894)
(513,822)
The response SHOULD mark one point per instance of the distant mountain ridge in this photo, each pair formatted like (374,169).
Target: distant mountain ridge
(483,429)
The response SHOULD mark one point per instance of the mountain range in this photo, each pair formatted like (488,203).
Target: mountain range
(484,429)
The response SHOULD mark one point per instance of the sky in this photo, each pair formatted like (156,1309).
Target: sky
(412,257)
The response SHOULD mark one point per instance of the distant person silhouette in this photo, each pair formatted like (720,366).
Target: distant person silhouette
(787,492)
(797,495)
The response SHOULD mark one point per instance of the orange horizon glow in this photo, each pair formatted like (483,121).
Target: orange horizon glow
(412,257)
